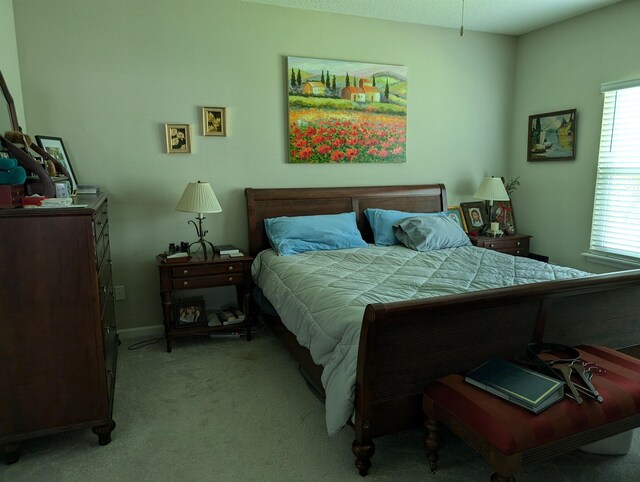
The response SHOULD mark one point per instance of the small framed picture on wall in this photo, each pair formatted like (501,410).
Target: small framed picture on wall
(214,121)
(178,138)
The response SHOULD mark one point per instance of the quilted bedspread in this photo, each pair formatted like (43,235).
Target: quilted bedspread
(321,296)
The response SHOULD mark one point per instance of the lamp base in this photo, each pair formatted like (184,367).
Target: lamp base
(203,243)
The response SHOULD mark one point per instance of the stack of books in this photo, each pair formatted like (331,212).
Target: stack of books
(227,250)
(87,189)
(531,390)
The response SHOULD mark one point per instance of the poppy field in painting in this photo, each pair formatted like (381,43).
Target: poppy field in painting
(346,112)
(318,136)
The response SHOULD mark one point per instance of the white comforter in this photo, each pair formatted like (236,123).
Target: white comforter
(321,297)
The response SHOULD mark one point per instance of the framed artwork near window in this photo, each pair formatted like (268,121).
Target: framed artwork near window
(552,136)
(55,148)
(214,122)
(475,215)
(178,138)
(455,213)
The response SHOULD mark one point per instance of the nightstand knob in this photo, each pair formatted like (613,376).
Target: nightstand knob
(185,283)
(491,245)
(518,243)
(230,278)
(518,251)
(230,268)
(185,271)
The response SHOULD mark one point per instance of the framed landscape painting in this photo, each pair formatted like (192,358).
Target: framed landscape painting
(346,112)
(552,136)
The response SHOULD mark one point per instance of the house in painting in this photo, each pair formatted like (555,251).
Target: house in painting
(313,88)
(371,93)
(355,94)
(365,92)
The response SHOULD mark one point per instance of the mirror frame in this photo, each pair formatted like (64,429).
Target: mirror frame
(12,108)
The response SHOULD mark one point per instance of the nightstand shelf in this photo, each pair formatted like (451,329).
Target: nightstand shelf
(517,245)
(197,273)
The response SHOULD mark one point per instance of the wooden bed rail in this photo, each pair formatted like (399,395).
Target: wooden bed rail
(406,345)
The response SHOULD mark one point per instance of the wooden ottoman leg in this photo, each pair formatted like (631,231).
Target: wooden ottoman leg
(504,465)
(363,452)
(433,442)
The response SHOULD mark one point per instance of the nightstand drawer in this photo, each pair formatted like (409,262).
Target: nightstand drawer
(500,244)
(207,269)
(207,281)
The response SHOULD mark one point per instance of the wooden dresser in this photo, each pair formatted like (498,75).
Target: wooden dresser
(58,339)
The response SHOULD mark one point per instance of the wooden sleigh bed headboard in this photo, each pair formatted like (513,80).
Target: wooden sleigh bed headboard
(408,344)
(270,203)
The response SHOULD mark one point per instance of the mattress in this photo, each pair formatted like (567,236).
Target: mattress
(321,297)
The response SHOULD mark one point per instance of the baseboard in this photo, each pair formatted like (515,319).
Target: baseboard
(149,331)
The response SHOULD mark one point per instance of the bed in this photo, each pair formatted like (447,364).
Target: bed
(404,345)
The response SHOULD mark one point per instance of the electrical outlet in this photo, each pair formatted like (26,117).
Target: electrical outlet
(118,293)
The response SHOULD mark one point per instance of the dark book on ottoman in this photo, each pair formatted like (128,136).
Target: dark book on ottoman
(531,390)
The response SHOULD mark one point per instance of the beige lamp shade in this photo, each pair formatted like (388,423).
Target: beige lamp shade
(492,189)
(198,197)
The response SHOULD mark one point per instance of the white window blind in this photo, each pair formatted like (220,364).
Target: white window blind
(615,229)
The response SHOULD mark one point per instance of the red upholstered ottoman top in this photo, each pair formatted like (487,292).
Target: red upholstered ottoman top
(512,429)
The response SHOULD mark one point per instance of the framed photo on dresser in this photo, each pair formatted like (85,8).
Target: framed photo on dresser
(55,148)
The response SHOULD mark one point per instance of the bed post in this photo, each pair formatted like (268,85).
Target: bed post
(363,447)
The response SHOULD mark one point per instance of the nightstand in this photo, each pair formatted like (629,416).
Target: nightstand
(197,273)
(517,245)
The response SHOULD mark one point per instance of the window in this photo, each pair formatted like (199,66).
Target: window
(615,229)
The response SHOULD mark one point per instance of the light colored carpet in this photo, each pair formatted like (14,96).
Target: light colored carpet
(227,410)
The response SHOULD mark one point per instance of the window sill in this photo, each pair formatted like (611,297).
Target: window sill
(611,261)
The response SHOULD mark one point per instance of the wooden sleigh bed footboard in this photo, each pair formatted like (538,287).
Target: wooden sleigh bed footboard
(406,345)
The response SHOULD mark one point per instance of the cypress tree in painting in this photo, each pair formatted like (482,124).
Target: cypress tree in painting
(333,85)
(299,78)
(374,80)
(386,90)
(293,78)
(322,78)
(328,83)
(346,81)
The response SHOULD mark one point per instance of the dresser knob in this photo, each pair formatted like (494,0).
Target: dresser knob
(518,251)
(491,245)
(107,330)
(104,288)
(185,271)
(185,283)
(518,243)
(230,278)
(230,268)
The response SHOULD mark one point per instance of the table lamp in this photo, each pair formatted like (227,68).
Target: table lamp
(492,189)
(198,197)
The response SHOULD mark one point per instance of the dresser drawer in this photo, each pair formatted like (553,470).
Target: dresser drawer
(101,219)
(207,281)
(219,268)
(104,285)
(102,246)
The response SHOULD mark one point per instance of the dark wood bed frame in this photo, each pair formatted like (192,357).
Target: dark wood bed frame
(406,345)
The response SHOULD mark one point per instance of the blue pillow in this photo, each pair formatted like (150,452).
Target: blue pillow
(426,233)
(382,221)
(298,234)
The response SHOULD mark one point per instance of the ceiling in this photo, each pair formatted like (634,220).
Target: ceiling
(509,17)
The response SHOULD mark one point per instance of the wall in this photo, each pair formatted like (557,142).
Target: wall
(106,76)
(9,58)
(561,67)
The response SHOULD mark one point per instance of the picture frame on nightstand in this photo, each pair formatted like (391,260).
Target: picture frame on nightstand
(190,312)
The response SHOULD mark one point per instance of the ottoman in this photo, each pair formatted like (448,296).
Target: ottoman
(509,436)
